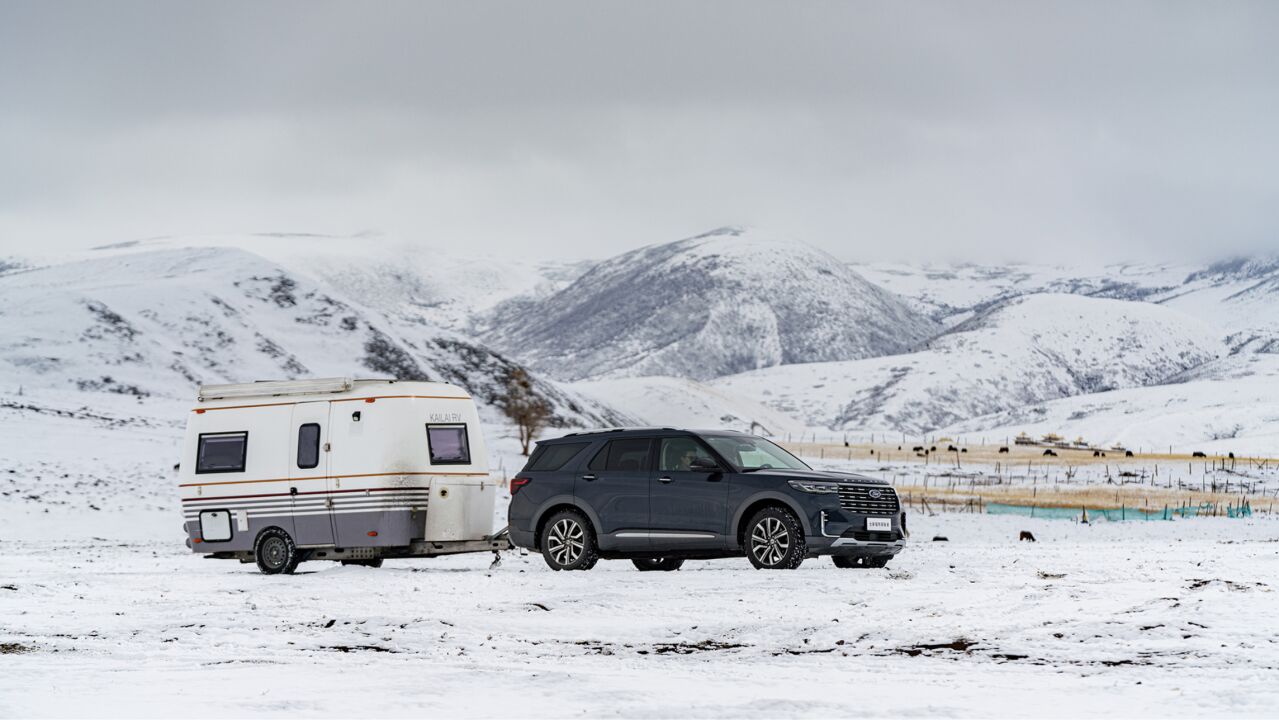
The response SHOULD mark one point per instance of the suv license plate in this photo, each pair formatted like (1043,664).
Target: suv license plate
(879,525)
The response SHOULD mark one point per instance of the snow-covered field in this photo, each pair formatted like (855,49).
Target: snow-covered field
(1136,619)
(103,612)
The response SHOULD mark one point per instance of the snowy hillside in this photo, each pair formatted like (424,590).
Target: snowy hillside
(719,303)
(676,402)
(445,287)
(1027,350)
(160,322)
(954,293)
(1239,297)
(1234,407)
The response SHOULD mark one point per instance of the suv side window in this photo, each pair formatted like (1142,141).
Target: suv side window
(554,457)
(629,454)
(678,453)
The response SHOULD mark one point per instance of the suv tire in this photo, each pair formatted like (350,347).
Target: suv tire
(568,542)
(662,564)
(774,540)
(861,563)
(275,552)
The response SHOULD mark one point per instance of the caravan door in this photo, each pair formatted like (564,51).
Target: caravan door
(309,474)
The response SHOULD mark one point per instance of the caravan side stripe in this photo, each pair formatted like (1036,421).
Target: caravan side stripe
(315,492)
(335,477)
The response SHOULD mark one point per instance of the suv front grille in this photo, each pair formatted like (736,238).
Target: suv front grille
(858,499)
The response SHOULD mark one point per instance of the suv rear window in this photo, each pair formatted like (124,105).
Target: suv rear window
(629,454)
(554,457)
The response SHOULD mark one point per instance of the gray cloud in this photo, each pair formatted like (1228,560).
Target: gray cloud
(890,130)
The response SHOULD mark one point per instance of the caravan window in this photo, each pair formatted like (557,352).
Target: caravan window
(221,452)
(448,445)
(309,446)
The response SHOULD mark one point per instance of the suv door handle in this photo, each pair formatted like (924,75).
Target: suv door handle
(663,479)
(588,478)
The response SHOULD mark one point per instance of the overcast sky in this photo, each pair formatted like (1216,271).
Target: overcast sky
(891,130)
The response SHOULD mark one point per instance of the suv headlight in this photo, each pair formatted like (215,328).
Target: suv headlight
(820,488)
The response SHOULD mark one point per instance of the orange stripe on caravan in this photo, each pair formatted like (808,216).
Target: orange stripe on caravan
(333,477)
(359,399)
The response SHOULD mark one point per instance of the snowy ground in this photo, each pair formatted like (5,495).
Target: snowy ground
(104,613)
(1141,619)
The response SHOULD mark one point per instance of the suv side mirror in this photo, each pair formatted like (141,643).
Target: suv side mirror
(703,464)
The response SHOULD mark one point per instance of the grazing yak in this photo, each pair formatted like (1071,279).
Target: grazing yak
(1049,453)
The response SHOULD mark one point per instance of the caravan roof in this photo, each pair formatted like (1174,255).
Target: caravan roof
(346,387)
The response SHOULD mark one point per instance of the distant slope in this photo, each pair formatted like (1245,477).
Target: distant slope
(1239,297)
(719,303)
(954,293)
(158,323)
(1234,407)
(676,402)
(447,287)
(1027,350)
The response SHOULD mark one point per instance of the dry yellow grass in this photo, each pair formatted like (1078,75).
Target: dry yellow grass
(1019,454)
(1093,497)
(1030,478)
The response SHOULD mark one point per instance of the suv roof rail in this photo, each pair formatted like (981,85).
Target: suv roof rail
(600,431)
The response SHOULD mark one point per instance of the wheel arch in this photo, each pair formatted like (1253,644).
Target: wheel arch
(762,500)
(554,505)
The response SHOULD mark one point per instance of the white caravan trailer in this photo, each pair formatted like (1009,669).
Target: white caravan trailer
(335,469)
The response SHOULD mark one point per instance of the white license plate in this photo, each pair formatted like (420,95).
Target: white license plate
(879,524)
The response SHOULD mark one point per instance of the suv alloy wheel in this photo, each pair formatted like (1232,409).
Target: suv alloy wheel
(775,540)
(568,542)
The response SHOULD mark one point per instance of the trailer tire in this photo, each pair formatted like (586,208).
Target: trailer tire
(275,552)
(568,542)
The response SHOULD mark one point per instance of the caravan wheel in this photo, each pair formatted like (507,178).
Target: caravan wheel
(275,552)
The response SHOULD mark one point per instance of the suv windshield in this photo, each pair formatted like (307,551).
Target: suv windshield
(746,453)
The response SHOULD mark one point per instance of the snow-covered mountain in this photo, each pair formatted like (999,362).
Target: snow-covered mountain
(1026,350)
(953,293)
(1231,405)
(1239,297)
(679,402)
(158,322)
(719,303)
(728,328)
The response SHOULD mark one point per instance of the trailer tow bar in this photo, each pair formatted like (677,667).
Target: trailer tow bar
(495,539)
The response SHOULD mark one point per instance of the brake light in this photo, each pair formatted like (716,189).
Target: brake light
(518,483)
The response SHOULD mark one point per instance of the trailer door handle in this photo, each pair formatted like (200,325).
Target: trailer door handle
(663,480)
(588,478)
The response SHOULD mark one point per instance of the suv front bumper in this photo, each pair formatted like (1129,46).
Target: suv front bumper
(844,534)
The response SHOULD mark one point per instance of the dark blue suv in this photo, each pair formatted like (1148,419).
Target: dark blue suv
(658,496)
